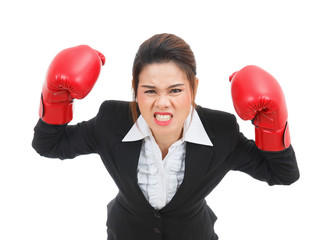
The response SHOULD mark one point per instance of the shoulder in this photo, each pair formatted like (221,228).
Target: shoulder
(222,128)
(115,105)
(115,108)
(217,122)
(114,111)
(213,116)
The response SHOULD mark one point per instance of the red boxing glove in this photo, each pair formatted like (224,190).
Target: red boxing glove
(72,74)
(257,96)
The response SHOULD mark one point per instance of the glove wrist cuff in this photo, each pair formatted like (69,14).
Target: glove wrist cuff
(272,140)
(56,113)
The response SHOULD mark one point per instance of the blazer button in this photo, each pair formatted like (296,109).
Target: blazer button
(157,230)
(157,215)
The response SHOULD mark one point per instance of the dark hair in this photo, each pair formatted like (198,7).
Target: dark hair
(163,48)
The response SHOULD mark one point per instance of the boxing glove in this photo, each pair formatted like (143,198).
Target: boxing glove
(257,96)
(72,74)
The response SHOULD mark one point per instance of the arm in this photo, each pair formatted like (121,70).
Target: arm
(65,141)
(273,167)
(257,96)
(72,74)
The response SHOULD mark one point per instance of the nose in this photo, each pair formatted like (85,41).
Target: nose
(162,101)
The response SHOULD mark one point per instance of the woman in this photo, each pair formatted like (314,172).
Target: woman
(164,153)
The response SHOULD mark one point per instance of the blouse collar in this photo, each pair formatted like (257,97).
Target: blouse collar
(194,130)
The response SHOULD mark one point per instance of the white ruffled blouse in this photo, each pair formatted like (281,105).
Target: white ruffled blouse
(159,179)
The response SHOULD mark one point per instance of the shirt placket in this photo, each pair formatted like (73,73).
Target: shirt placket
(161,175)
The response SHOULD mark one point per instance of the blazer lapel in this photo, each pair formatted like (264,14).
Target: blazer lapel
(198,158)
(197,162)
(127,157)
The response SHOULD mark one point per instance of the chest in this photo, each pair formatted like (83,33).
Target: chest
(204,167)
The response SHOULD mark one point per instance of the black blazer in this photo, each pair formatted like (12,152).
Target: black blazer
(186,216)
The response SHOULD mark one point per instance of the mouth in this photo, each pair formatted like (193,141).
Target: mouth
(163,118)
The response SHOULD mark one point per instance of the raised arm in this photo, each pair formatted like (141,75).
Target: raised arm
(257,96)
(72,74)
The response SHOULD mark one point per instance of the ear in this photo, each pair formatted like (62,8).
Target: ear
(196,86)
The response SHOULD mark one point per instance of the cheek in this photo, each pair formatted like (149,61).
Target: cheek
(144,102)
(184,100)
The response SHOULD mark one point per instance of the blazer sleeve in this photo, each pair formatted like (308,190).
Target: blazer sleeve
(275,168)
(66,141)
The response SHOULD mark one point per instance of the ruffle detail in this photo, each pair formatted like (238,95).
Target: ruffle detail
(160,179)
(175,166)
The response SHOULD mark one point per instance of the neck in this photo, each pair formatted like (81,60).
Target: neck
(165,141)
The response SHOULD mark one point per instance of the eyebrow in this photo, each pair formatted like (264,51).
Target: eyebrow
(171,86)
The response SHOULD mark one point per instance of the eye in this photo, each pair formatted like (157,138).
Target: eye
(175,90)
(149,91)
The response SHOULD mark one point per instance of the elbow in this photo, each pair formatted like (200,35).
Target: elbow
(284,180)
(293,179)
(37,148)
(46,151)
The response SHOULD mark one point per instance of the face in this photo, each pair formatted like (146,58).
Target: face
(164,98)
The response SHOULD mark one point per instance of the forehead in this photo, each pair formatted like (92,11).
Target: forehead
(162,75)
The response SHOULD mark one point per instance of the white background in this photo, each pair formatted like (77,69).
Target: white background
(51,199)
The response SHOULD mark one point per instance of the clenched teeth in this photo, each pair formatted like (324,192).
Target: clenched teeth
(162,118)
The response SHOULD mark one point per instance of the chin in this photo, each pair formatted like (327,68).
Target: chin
(166,130)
